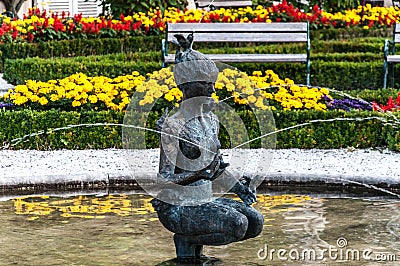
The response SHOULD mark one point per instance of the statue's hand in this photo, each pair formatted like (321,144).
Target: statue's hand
(206,174)
(246,181)
(244,193)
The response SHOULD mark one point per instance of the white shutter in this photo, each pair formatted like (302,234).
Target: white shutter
(89,8)
(58,6)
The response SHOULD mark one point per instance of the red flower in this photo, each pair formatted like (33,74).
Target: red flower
(390,103)
(375,106)
(15,34)
(30,37)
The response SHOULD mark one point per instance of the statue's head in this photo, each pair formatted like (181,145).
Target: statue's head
(195,74)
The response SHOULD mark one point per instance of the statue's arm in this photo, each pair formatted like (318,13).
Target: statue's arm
(238,186)
(167,170)
(244,193)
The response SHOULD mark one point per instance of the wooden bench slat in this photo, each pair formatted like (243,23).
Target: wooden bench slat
(249,58)
(289,32)
(393,58)
(224,3)
(246,37)
(237,27)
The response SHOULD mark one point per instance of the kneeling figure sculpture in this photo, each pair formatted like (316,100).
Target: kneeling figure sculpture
(190,160)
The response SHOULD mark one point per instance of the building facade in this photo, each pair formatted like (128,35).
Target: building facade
(90,8)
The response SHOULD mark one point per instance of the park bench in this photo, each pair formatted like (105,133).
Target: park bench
(390,57)
(212,5)
(373,3)
(290,32)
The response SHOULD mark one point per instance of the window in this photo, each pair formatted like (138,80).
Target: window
(88,8)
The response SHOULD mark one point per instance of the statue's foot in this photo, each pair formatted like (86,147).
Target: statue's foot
(199,252)
(185,249)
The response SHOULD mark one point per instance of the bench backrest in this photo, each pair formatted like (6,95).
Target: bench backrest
(375,2)
(241,32)
(223,3)
(396,33)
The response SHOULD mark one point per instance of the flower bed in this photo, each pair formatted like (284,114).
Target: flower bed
(265,90)
(38,26)
(101,93)
(391,106)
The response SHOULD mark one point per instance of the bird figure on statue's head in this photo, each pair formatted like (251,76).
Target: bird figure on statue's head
(182,43)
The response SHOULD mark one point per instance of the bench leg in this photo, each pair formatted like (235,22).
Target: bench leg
(385,73)
(308,74)
(392,75)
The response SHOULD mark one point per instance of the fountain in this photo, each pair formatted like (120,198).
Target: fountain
(191,164)
(194,173)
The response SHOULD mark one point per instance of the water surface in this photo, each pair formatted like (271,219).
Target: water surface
(123,229)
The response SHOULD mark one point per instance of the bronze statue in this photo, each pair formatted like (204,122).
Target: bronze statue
(190,158)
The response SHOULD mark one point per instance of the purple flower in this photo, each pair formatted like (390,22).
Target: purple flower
(6,105)
(347,104)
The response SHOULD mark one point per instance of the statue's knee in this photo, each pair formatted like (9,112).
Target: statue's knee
(239,226)
(256,223)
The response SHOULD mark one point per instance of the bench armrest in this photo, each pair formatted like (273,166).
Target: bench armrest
(386,48)
(164,51)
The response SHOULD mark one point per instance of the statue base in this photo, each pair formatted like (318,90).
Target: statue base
(203,261)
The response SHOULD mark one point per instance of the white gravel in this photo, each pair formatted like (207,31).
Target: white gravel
(4,86)
(370,166)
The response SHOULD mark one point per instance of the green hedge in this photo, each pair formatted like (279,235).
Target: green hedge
(380,96)
(19,70)
(16,124)
(337,134)
(350,33)
(87,47)
(79,47)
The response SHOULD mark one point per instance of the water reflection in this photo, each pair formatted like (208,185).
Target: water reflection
(88,207)
(95,207)
(123,229)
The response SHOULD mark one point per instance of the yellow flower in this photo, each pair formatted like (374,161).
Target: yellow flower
(252,99)
(215,97)
(34,98)
(169,97)
(20,100)
(324,91)
(43,101)
(92,99)
(219,85)
(230,87)
(76,103)
(53,97)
